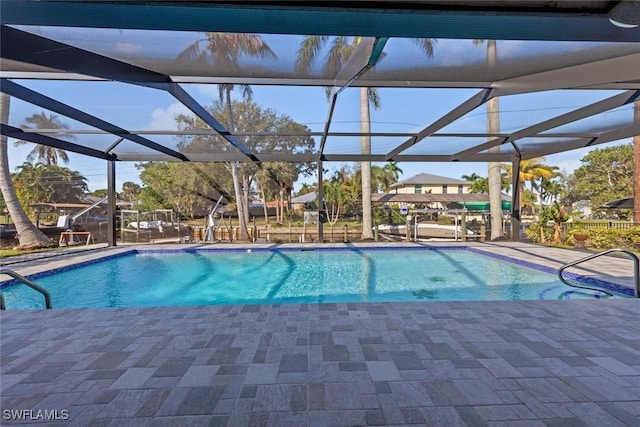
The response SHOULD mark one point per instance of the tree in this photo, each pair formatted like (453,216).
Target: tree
(531,170)
(552,190)
(493,127)
(173,185)
(278,176)
(480,184)
(341,49)
(225,50)
(606,174)
(130,190)
(44,153)
(340,193)
(383,177)
(306,188)
(29,236)
(101,192)
(471,178)
(555,213)
(250,117)
(150,200)
(393,170)
(39,183)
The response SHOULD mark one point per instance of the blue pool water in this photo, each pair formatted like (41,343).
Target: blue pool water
(193,277)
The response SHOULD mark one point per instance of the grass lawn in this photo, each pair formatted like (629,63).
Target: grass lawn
(7,252)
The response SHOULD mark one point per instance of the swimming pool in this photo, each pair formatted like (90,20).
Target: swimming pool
(139,278)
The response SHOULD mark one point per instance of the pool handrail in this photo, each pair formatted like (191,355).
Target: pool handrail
(636,271)
(29,283)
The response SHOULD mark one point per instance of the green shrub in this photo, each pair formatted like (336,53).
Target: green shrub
(599,238)
(607,238)
(533,232)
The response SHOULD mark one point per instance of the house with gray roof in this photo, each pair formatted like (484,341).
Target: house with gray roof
(426,183)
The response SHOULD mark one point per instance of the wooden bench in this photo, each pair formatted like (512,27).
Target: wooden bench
(66,237)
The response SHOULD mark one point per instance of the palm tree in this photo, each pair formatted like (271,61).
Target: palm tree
(224,50)
(29,235)
(306,188)
(283,174)
(531,170)
(479,184)
(130,190)
(471,178)
(340,51)
(494,168)
(43,153)
(383,177)
(550,191)
(393,170)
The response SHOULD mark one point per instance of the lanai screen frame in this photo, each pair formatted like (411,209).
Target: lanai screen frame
(27,55)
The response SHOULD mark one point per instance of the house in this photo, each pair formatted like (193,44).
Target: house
(437,192)
(583,206)
(304,202)
(425,183)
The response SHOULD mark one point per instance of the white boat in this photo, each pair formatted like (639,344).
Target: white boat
(426,231)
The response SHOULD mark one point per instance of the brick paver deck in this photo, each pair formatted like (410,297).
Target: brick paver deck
(555,363)
(510,363)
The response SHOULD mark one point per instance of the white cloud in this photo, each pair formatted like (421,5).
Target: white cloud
(128,48)
(210,90)
(164,119)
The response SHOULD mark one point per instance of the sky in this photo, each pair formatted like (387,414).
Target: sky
(154,110)
(402,109)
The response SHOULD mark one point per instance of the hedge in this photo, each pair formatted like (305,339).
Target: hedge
(599,238)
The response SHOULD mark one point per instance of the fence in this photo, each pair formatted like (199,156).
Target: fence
(280,235)
(590,225)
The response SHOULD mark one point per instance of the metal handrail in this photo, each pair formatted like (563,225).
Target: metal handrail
(29,283)
(636,270)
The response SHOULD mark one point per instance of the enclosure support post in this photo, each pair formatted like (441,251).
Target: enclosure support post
(515,200)
(320,203)
(463,225)
(111,203)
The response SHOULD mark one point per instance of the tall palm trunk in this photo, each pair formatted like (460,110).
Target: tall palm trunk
(494,168)
(245,197)
(365,167)
(264,205)
(636,166)
(235,175)
(29,235)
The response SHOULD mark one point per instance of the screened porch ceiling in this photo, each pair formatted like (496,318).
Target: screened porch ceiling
(566,77)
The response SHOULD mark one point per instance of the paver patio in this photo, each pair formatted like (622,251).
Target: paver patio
(502,363)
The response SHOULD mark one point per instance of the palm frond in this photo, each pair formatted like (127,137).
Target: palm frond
(308,52)
(374,98)
(339,53)
(192,54)
(247,92)
(222,90)
(328,91)
(426,45)
(253,45)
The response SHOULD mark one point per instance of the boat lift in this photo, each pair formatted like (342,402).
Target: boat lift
(461,215)
(209,235)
